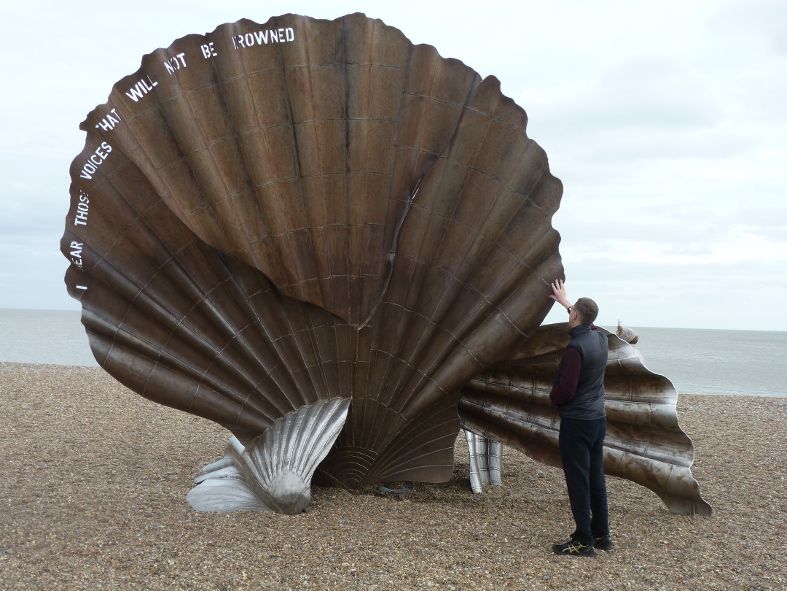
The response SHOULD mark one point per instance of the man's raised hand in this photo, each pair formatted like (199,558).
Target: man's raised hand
(559,293)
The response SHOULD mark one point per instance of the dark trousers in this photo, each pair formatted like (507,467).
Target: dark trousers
(582,453)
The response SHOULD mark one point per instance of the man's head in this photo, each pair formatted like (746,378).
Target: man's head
(584,311)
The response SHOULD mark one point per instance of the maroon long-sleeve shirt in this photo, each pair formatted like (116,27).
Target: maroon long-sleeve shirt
(567,378)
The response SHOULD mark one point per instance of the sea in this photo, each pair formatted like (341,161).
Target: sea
(697,361)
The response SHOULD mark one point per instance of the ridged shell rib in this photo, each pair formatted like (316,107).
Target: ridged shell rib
(274,471)
(644,443)
(341,215)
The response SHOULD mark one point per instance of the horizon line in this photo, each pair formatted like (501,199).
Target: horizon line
(602,324)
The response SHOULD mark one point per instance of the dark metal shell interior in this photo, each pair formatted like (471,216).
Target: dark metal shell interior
(273,214)
(644,443)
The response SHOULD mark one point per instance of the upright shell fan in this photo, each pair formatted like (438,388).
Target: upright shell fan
(315,234)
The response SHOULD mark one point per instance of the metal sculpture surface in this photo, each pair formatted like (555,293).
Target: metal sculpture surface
(315,234)
(486,460)
(510,403)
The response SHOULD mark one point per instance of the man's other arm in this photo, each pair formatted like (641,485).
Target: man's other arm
(567,378)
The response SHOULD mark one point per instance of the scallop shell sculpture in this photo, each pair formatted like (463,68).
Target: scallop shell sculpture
(315,234)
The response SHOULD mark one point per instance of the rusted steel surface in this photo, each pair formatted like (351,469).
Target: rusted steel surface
(644,443)
(271,215)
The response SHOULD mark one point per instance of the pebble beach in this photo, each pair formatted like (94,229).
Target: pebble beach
(93,496)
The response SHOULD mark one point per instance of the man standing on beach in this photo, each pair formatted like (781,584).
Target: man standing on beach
(578,393)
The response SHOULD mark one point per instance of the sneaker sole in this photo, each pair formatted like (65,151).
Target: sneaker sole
(576,554)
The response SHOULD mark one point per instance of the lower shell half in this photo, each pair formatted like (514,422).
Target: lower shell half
(644,443)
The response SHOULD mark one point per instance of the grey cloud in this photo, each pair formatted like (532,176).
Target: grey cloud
(616,148)
(637,94)
(38,210)
(755,21)
(740,278)
(634,110)
(36,281)
(656,295)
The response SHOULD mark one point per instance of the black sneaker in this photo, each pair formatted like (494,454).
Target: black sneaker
(574,548)
(603,543)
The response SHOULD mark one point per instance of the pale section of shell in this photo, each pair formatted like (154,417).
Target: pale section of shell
(644,443)
(627,334)
(485,457)
(224,490)
(275,470)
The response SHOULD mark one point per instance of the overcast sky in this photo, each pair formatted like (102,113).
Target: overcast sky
(666,122)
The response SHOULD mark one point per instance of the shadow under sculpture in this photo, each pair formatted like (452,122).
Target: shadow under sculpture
(315,234)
